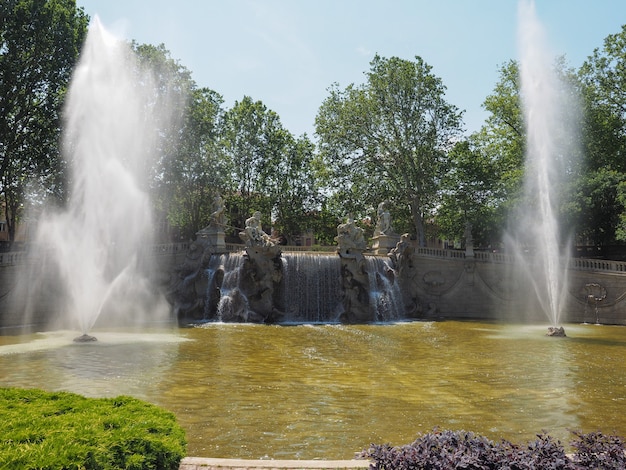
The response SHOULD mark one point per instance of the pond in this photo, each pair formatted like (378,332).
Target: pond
(328,391)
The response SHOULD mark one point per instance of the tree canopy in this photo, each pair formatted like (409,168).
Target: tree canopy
(40,42)
(388,138)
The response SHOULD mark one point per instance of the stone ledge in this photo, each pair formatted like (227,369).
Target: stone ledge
(200,463)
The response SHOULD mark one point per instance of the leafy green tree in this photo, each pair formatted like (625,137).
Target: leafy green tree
(604,77)
(470,196)
(184,119)
(502,138)
(601,203)
(499,150)
(388,138)
(253,141)
(40,42)
(296,190)
(198,174)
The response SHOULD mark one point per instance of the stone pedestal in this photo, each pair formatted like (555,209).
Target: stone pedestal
(383,244)
(214,236)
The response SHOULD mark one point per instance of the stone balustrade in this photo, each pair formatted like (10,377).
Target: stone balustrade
(13,258)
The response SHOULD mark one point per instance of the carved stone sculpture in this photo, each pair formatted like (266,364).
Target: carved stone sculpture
(383,221)
(350,238)
(253,234)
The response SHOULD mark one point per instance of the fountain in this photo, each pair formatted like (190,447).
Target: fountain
(95,247)
(312,390)
(548,116)
(264,285)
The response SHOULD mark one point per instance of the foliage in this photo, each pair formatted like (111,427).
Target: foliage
(470,195)
(271,171)
(603,79)
(296,189)
(444,450)
(387,139)
(39,45)
(50,430)
(197,174)
(184,119)
(595,450)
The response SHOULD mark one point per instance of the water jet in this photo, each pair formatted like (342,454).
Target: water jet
(93,250)
(549,118)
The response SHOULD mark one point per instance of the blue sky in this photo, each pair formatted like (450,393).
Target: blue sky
(287,53)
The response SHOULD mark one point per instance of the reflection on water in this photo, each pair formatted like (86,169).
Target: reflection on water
(328,391)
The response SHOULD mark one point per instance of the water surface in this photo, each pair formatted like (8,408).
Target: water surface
(328,391)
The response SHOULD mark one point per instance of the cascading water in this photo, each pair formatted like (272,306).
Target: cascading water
(311,287)
(230,299)
(97,243)
(549,116)
(385,295)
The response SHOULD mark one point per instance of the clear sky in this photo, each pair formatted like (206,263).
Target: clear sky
(287,53)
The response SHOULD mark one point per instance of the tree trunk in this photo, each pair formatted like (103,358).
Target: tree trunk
(418,221)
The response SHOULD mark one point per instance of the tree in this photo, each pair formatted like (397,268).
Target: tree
(40,42)
(388,138)
(470,195)
(198,174)
(501,145)
(295,187)
(253,141)
(185,120)
(601,203)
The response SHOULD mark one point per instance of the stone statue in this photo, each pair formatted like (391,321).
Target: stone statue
(218,218)
(253,234)
(349,236)
(383,222)
(402,254)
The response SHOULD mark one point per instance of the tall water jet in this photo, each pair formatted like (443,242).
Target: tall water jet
(549,117)
(96,245)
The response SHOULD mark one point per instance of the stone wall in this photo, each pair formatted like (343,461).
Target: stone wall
(436,284)
(30,303)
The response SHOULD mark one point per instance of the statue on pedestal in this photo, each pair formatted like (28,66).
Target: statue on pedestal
(384,238)
(383,221)
(213,234)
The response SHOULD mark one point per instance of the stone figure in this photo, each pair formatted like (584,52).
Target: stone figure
(401,255)
(218,218)
(383,222)
(253,234)
(350,237)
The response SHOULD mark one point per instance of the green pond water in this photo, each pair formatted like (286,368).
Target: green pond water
(328,391)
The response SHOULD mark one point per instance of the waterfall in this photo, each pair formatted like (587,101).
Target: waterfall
(384,291)
(223,285)
(311,287)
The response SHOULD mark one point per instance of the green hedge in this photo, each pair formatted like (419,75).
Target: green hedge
(60,430)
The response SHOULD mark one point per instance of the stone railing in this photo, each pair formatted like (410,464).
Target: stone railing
(12,258)
(170,248)
(579,264)
(586,264)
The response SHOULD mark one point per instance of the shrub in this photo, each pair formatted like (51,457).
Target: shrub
(60,430)
(595,450)
(444,450)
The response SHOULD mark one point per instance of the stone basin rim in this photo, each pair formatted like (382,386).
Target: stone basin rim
(202,463)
